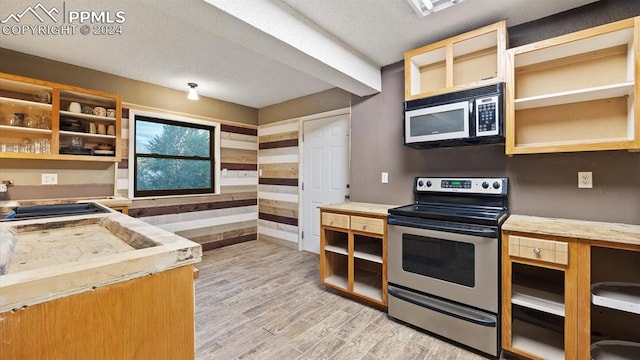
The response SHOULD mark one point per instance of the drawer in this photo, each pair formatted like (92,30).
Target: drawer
(556,252)
(335,220)
(371,225)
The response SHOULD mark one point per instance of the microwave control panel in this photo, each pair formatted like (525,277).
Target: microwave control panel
(487,116)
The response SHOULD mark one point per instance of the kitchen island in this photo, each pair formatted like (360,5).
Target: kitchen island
(91,286)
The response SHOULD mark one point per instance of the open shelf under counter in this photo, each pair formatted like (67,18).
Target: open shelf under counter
(368,251)
(575,96)
(338,249)
(367,283)
(542,342)
(617,295)
(338,280)
(538,299)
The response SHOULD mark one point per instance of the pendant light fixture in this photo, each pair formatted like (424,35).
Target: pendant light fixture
(193,93)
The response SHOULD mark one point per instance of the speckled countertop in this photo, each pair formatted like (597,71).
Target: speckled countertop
(588,230)
(147,249)
(359,208)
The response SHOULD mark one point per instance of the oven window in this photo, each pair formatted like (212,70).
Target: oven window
(445,260)
(437,123)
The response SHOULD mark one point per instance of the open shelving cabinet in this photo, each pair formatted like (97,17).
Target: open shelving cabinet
(575,92)
(539,311)
(465,61)
(570,289)
(353,255)
(18,95)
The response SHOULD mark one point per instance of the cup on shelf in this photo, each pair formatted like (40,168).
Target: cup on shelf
(86,109)
(76,142)
(101,129)
(26,146)
(18,119)
(111,130)
(99,111)
(92,128)
(111,113)
(75,107)
(42,96)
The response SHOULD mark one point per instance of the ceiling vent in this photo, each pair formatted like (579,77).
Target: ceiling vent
(426,7)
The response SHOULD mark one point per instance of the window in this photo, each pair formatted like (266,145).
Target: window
(173,156)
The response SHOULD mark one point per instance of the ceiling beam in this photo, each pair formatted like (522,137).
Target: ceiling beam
(277,31)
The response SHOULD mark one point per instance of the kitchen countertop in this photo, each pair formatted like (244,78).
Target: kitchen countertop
(589,230)
(110,201)
(359,208)
(82,252)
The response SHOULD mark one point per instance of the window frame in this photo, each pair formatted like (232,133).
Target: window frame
(176,120)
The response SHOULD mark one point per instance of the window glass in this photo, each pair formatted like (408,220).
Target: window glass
(172,157)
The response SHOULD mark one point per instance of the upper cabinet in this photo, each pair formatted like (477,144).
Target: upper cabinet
(45,120)
(575,92)
(465,61)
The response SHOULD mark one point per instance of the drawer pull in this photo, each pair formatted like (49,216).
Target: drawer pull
(364,226)
(536,251)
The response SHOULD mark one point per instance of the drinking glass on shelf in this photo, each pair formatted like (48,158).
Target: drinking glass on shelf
(26,146)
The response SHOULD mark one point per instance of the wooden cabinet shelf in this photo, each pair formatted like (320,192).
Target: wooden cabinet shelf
(35,111)
(465,61)
(538,299)
(617,295)
(353,254)
(533,339)
(575,92)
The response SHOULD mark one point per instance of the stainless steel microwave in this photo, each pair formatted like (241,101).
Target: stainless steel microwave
(467,117)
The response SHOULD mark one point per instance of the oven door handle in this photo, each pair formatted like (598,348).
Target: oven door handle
(477,230)
(442,307)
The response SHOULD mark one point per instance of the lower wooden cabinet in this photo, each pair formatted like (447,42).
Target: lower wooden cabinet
(150,317)
(539,309)
(353,250)
(570,289)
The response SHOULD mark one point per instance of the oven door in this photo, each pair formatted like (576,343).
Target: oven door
(458,267)
(442,122)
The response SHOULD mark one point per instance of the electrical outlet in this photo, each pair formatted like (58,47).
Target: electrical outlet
(49,179)
(585,180)
(3,187)
(385,178)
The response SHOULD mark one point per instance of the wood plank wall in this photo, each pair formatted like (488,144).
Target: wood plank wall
(278,161)
(211,220)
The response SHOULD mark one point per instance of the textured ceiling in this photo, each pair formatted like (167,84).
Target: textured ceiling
(261,52)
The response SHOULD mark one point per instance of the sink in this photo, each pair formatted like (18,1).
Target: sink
(39,245)
(47,258)
(56,210)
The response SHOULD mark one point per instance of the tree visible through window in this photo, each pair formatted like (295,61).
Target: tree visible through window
(173,157)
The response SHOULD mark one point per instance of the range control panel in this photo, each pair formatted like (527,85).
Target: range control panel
(497,186)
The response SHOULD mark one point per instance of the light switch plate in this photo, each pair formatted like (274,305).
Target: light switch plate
(385,178)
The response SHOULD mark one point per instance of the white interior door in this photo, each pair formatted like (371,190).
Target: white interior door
(325,156)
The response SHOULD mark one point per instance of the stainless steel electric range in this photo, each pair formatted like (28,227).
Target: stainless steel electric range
(444,261)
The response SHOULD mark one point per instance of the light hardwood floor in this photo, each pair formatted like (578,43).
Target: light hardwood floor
(258,300)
